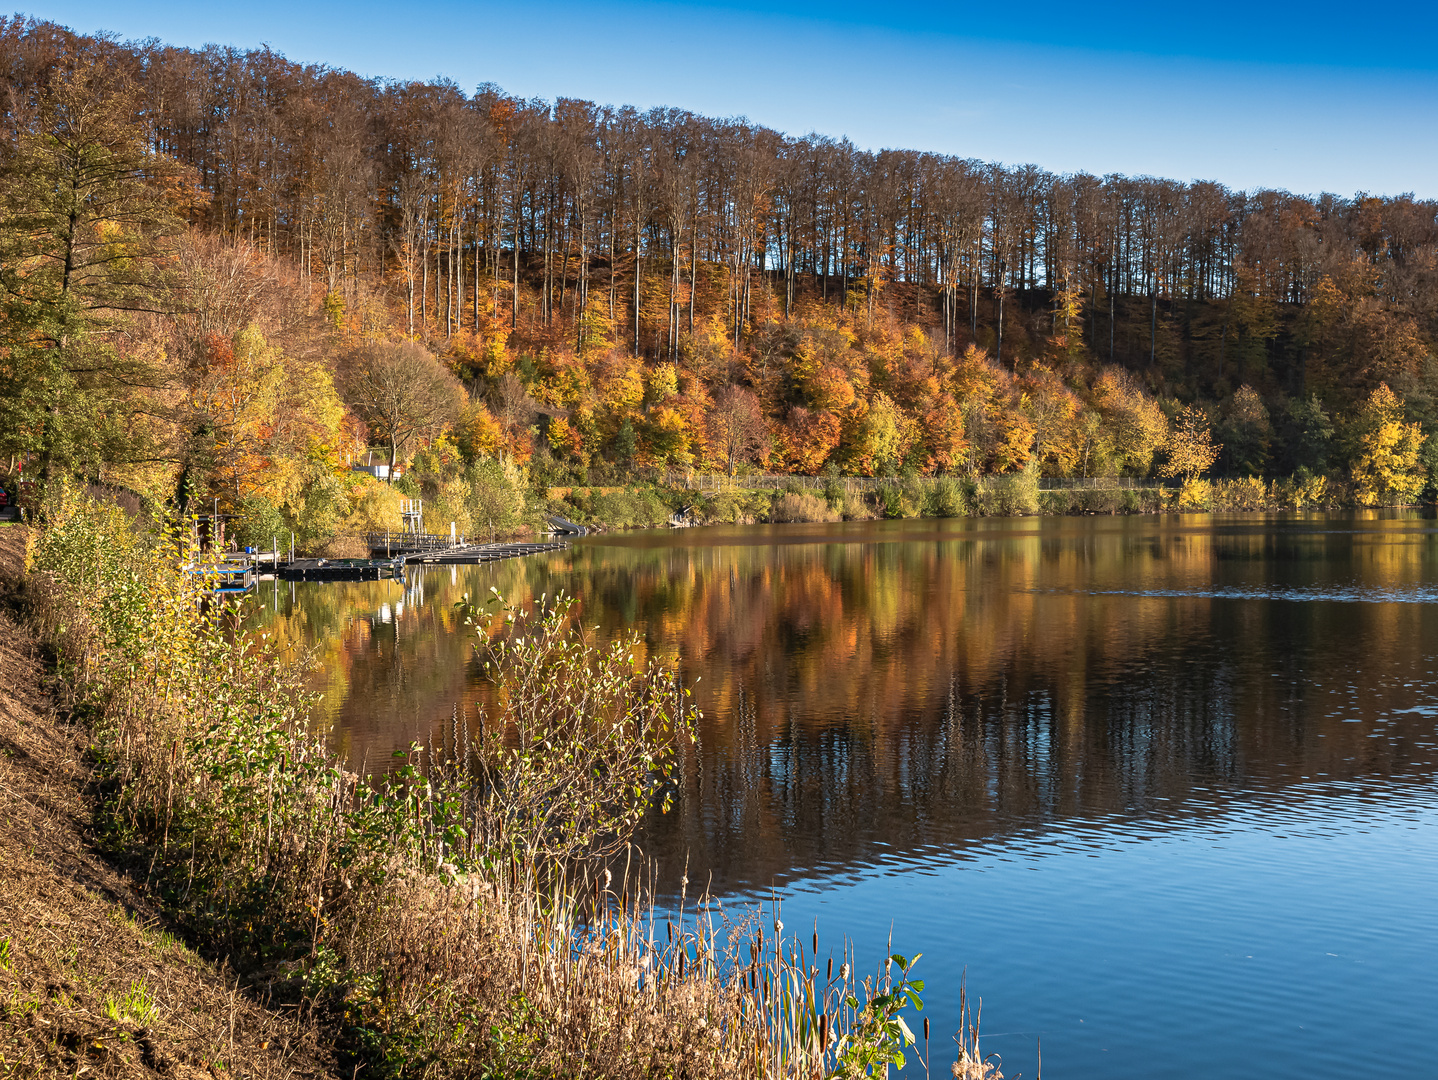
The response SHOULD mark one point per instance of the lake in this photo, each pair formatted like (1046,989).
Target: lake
(1162,789)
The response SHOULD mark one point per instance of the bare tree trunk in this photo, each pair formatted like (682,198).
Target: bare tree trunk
(999,347)
(637,275)
(581,289)
(1153,320)
(1092,302)
(974,290)
(1110,326)
(457,272)
(563,265)
(547,277)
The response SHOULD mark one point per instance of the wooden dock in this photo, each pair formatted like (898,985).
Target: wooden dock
(231,578)
(418,551)
(481,553)
(432,548)
(340,569)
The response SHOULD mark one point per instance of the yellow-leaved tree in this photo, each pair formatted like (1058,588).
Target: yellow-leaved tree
(1388,467)
(1190,446)
(1133,426)
(880,440)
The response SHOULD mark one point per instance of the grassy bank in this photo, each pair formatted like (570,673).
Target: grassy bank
(450,919)
(92,980)
(740,500)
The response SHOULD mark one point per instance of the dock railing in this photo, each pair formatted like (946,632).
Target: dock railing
(401,542)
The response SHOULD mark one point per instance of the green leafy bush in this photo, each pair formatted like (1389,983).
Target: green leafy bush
(260,524)
(1009,495)
(945,499)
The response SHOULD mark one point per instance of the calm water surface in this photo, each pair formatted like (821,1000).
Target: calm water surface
(1163,789)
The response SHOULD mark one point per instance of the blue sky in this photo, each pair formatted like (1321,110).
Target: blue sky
(1312,97)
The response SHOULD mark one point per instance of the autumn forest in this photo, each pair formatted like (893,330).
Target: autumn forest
(232,276)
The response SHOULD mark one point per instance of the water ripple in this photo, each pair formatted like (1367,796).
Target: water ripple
(1416,594)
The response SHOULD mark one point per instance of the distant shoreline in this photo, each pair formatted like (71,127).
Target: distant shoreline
(810,500)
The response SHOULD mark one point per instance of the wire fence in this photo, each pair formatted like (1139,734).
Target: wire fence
(716,482)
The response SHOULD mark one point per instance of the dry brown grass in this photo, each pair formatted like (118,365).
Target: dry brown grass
(801,506)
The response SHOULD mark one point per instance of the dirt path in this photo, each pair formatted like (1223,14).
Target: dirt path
(90,982)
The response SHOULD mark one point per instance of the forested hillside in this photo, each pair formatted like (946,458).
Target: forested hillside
(230,275)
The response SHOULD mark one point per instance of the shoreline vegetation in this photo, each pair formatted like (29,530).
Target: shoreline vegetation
(93,980)
(455,917)
(723,500)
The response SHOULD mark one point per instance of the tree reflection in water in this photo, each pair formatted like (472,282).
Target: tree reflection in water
(881,687)
(1177,772)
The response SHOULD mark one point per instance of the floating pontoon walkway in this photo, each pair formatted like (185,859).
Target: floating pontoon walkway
(429,547)
(405,550)
(339,569)
(481,553)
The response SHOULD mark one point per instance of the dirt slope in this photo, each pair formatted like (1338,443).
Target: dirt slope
(90,982)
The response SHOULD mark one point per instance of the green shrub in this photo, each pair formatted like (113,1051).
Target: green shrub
(495,496)
(890,500)
(1059,502)
(913,494)
(260,524)
(945,499)
(733,507)
(629,508)
(1010,495)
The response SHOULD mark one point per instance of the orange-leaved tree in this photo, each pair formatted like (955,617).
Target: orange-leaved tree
(944,443)
(808,439)
(737,430)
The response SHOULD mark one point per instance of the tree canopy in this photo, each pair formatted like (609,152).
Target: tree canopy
(230,273)
(402,391)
